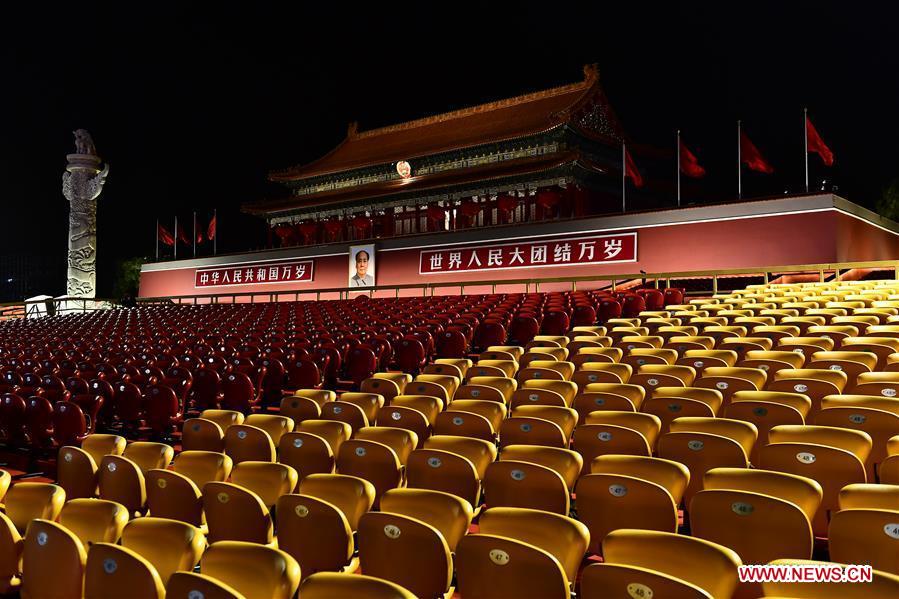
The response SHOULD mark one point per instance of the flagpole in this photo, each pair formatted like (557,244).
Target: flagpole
(739,166)
(678,168)
(176,237)
(157,239)
(623,177)
(805,143)
(195,233)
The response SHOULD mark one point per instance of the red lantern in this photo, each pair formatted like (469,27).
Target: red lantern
(308,230)
(436,213)
(549,197)
(284,232)
(471,209)
(507,202)
(333,226)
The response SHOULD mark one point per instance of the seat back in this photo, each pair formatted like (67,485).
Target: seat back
(267,479)
(115,571)
(202,434)
(122,481)
(167,544)
(253,570)
(407,551)
(94,520)
(630,492)
(244,443)
(53,561)
(306,453)
(352,495)
(235,514)
(148,455)
(76,473)
(327,585)
(373,461)
(315,532)
(494,566)
(707,565)
(26,501)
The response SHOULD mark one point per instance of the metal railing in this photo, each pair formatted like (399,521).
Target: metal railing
(61,306)
(613,282)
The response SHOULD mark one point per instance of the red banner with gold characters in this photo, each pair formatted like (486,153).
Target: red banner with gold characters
(255,274)
(595,249)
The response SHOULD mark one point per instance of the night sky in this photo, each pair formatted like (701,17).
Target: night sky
(192,105)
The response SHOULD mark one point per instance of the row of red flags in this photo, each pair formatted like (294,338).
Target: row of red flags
(166,237)
(749,155)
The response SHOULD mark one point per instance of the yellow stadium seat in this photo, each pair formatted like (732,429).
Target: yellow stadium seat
(669,403)
(428,405)
(327,585)
(608,396)
(316,533)
(611,432)
(53,561)
(332,431)
(877,416)
(94,520)
(517,554)
(234,513)
(343,411)
(411,540)
(183,584)
(767,409)
(652,376)
(373,461)
(630,492)
(402,441)
(533,477)
(268,480)
(148,455)
(253,570)
(10,556)
(98,445)
(602,372)
(113,571)
(223,418)
(705,443)
(386,389)
(638,556)
(352,495)
(306,453)
(246,443)
(833,457)
(122,481)
(761,514)
(167,544)
(202,434)
(76,472)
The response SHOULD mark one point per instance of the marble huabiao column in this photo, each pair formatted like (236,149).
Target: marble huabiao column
(82,184)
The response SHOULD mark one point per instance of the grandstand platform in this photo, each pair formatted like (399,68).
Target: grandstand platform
(814,229)
(500,445)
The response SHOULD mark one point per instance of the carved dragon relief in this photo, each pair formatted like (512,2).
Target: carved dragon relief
(82,184)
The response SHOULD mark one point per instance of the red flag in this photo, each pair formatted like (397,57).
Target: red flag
(816,144)
(210,230)
(182,234)
(164,236)
(689,165)
(630,170)
(200,238)
(751,156)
